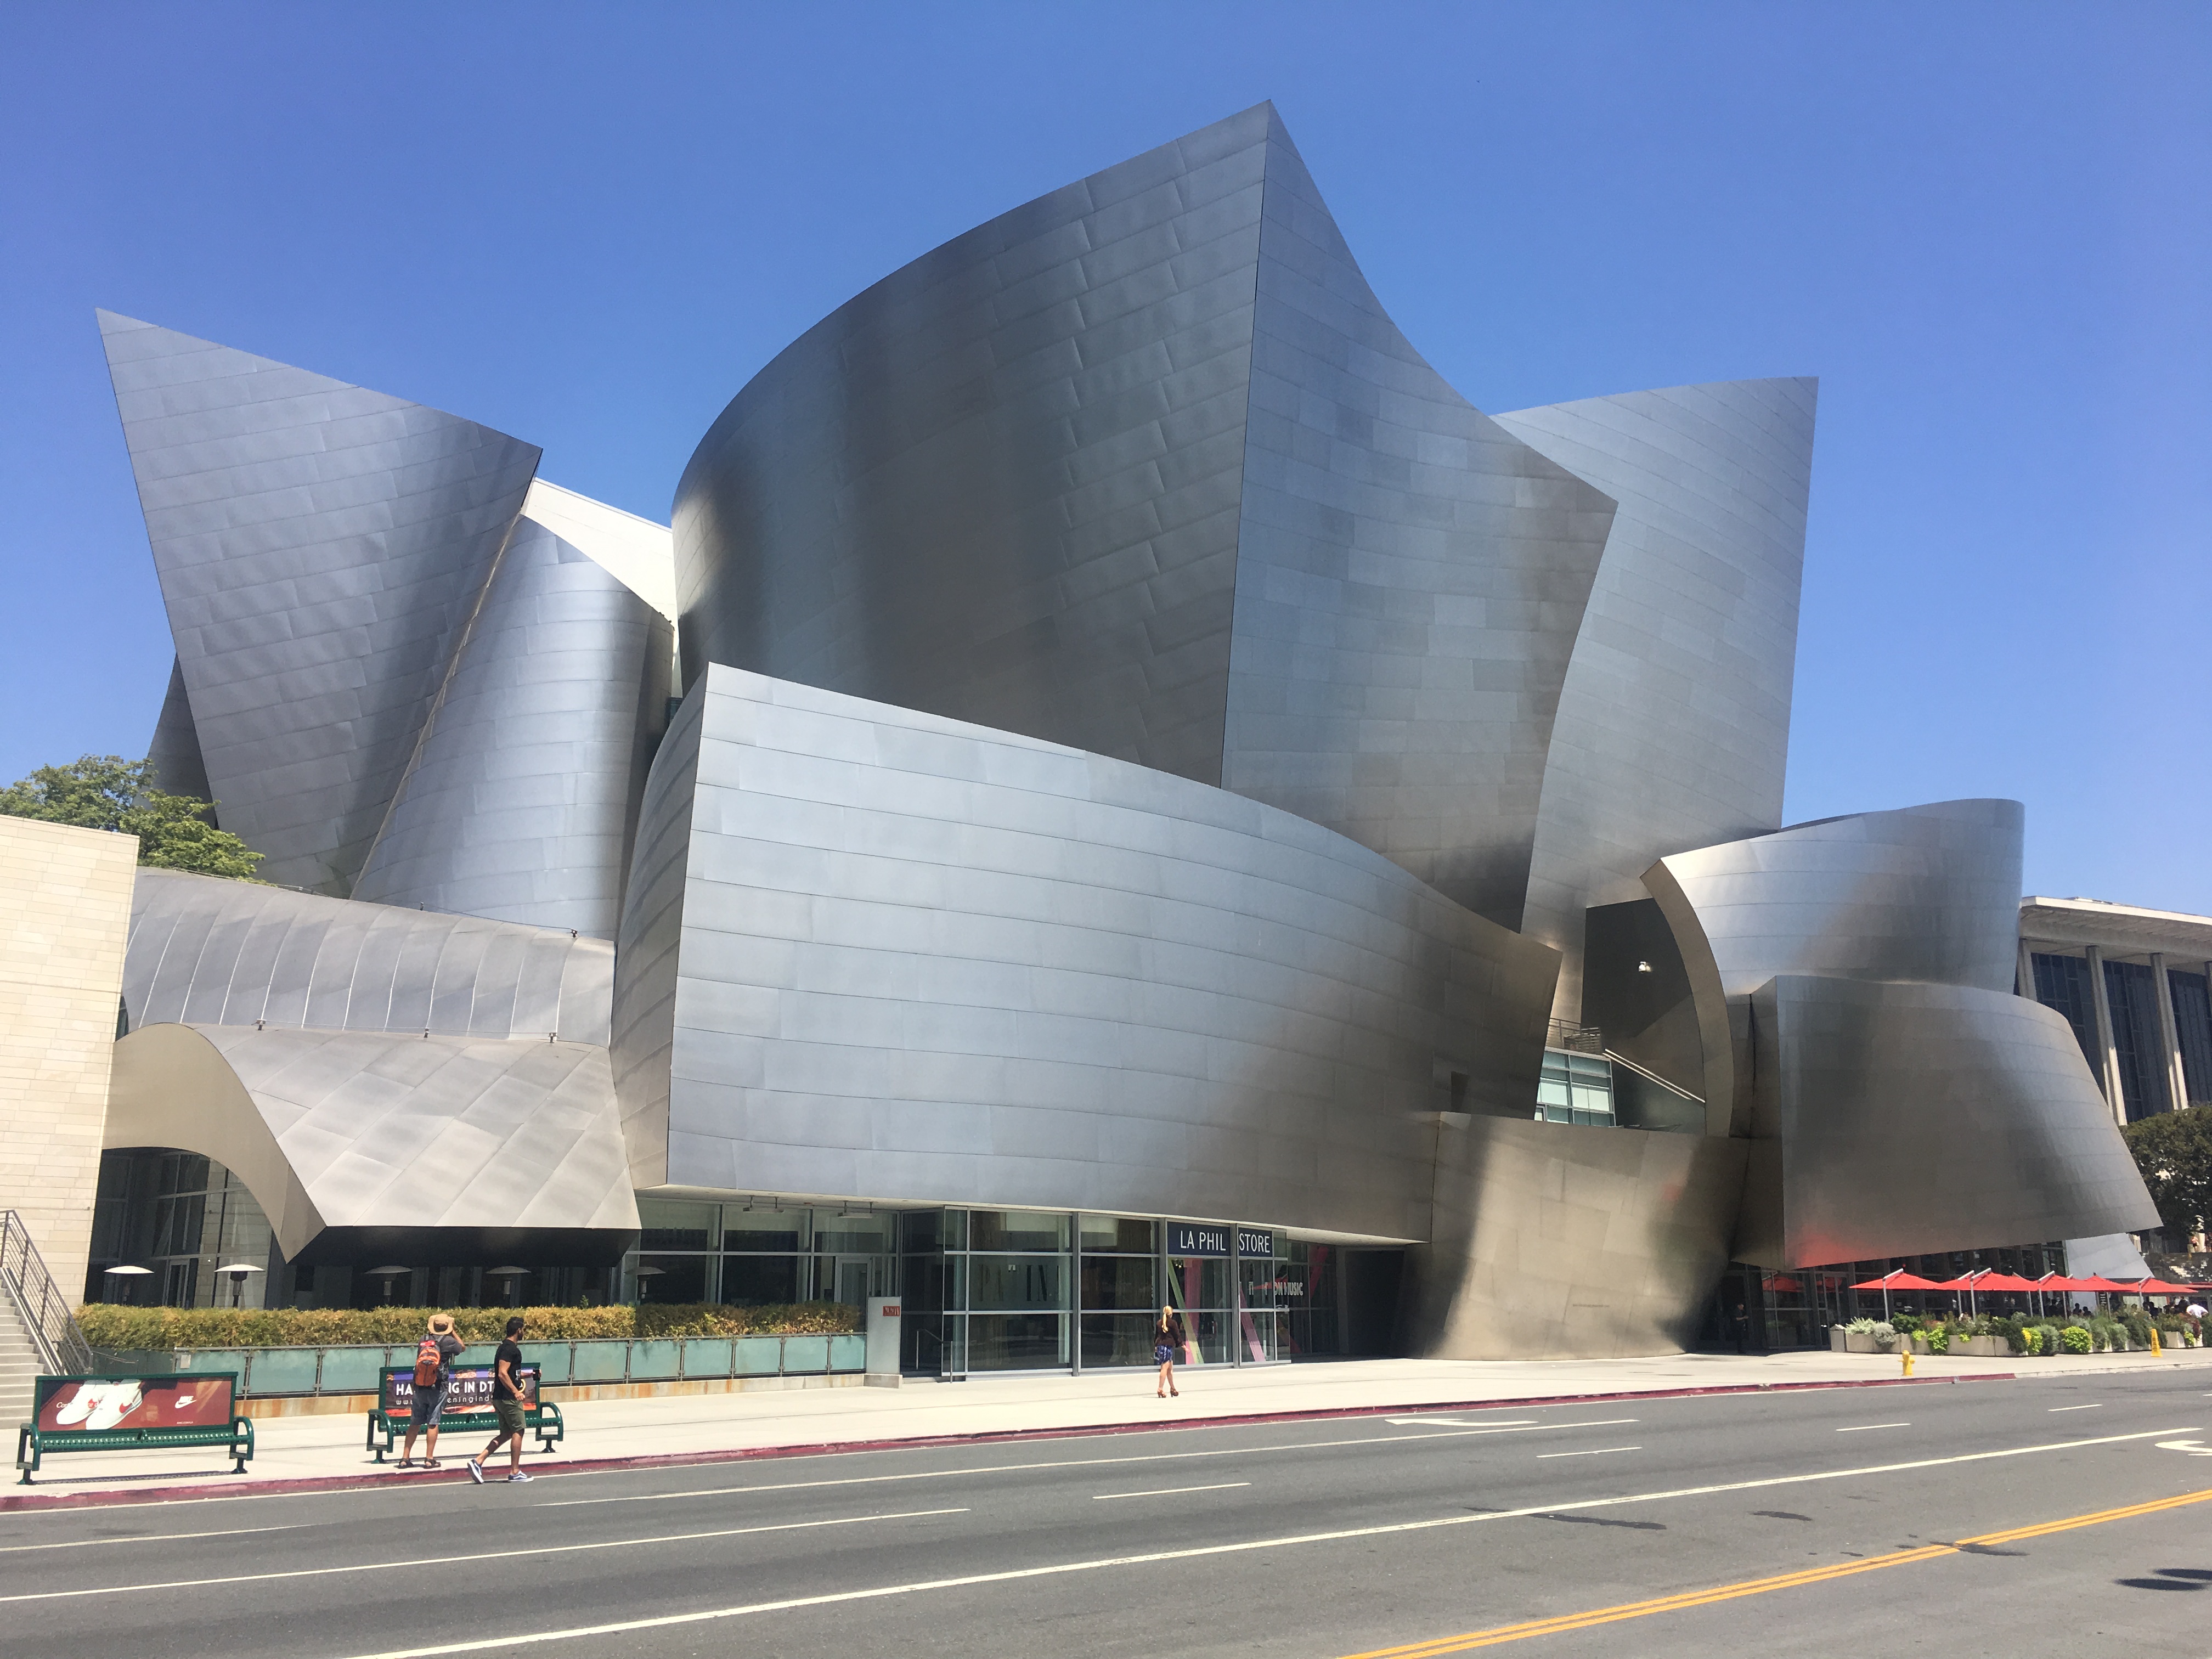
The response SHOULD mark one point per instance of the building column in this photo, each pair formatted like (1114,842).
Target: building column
(2169,1036)
(2026,970)
(2108,1053)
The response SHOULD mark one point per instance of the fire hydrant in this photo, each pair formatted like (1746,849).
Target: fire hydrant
(1907,1357)
(2156,1352)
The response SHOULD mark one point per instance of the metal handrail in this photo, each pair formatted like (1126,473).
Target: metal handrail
(38,1301)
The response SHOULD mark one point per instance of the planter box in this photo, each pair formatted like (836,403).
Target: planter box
(1858,1342)
(1988,1348)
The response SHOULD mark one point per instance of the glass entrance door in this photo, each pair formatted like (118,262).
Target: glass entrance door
(853,1283)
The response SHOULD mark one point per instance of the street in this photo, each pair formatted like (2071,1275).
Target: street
(1931,1517)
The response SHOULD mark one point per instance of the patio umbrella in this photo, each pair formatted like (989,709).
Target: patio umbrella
(1899,1279)
(129,1273)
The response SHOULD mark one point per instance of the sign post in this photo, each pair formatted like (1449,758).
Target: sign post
(883,1342)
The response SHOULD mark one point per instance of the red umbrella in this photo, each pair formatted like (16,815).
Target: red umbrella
(2007,1282)
(1899,1278)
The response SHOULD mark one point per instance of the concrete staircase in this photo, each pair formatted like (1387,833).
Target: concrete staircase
(19,1366)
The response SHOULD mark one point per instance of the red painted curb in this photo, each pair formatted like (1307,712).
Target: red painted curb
(344,1483)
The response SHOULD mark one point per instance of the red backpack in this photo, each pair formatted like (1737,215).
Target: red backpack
(428,1360)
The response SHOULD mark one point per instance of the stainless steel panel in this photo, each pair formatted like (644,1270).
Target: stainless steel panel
(208,950)
(1914,1118)
(173,758)
(321,548)
(1144,468)
(360,1129)
(1673,724)
(1557,1242)
(875,952)
(521,800)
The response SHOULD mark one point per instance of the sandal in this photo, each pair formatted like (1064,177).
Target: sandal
(404,1463)
(432,1463)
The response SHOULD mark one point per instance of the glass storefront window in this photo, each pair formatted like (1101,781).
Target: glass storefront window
(836,1233)
(773,1230)
(678,1278)
(1016,1342)
(1120,1234)
(1017,1230)
(668,1225)
(1307,1299)
(753,1281)
(1017,1281)
(1198,1281)
(1119,1339)
(1120,1282)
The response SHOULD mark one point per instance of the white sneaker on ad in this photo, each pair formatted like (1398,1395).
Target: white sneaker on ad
(120,1400)
(80,1405)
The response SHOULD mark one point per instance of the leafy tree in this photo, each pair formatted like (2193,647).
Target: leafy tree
(2173,1149)
(106,792)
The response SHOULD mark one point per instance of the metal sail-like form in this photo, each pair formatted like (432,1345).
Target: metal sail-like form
(321,548)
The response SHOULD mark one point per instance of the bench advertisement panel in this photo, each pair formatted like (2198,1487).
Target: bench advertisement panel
(134,1402)
(469,1391)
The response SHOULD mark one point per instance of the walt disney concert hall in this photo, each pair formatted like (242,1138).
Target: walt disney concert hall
(1117,784)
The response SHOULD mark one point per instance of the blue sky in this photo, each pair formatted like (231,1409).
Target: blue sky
(1987,228)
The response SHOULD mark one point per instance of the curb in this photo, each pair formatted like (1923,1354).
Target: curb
(306,1485)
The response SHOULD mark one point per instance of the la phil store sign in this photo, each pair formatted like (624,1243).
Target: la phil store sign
(1187,1238)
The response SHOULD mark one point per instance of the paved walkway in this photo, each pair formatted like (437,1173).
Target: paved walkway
(706,1426)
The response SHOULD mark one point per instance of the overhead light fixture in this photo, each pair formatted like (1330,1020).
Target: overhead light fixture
(1642,967)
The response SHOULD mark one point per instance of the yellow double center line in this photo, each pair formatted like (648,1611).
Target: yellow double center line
(1700,1598)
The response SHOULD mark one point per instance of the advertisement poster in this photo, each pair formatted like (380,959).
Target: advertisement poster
(470,1391)
(134,1402)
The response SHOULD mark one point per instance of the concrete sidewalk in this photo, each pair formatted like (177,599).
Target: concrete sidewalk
(706,1426)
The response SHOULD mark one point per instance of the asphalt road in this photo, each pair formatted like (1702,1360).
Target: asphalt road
(1899,1519)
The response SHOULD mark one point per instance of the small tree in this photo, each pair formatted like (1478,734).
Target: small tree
(2173,1149)
(106,792)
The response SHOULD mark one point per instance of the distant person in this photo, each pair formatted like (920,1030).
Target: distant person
(434,1379)
(1741,1321)
(1168,1338)
(507,1405)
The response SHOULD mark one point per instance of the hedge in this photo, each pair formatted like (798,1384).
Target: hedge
(106,1325)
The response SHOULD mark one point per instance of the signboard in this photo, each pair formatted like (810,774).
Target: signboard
(1200,1238)
(469,1391)
(1194,1238)
(135,1402)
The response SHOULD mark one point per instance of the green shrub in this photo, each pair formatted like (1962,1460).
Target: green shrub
(2076,1339)
(107,1326)
(1907,1322)
(2028,1338)
(1937,1339)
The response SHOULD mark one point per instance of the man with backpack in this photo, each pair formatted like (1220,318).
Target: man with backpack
(433,1375)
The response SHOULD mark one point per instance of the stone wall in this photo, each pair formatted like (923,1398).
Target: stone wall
(64,915)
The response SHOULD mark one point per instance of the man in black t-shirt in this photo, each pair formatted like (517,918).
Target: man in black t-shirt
(506,1402)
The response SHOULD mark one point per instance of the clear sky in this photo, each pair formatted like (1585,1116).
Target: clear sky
(1987,228)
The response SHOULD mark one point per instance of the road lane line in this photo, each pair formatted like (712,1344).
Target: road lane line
(1597,1452)
(1860,1428)
(1564,1623)
(456,1560)
(1167,1491)
(2099,1407)
(147,1538)
(1062,1463)
(1016,1575)
(1459,1423)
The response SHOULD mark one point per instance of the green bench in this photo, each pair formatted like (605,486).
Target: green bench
(468,1407)
(133,1414)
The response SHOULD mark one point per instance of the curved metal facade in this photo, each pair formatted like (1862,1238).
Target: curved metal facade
(1923,893)
(321,548)
(1673,724)
(875,952)
(520,801)
(207,951)
(1914,1118)
(359,1130)
(1143,467)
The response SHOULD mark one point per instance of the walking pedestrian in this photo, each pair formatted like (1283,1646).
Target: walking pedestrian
(1168,1338)
(433,1377)
(507,1405)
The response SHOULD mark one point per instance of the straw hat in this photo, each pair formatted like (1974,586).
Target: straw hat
(440,1324)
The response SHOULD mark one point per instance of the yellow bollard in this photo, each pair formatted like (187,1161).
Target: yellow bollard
(1907,1358)
(2156,1352)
